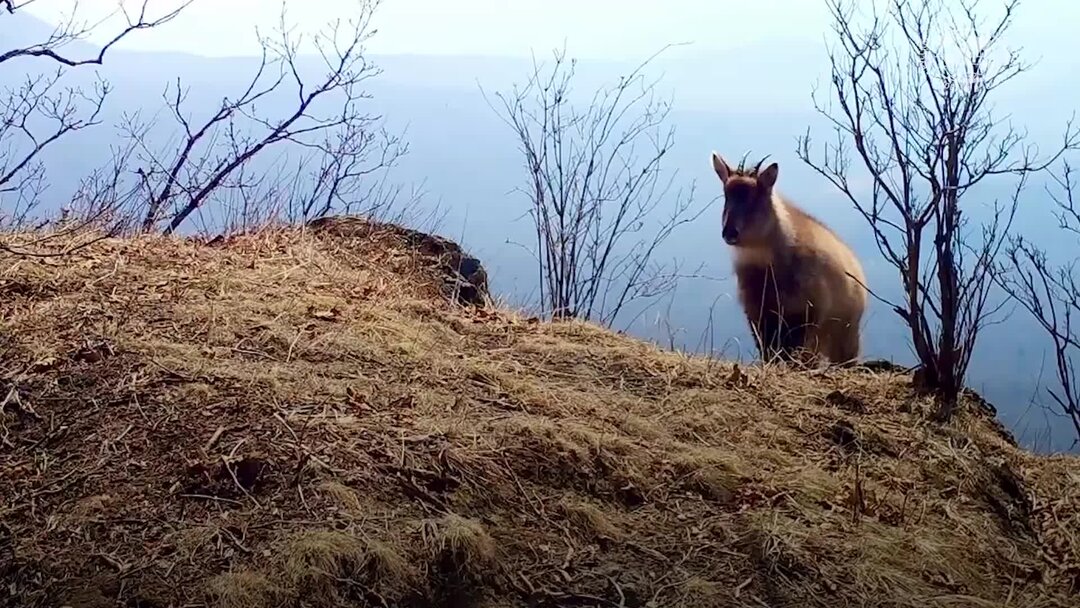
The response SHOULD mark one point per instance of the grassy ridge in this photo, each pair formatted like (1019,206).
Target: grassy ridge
(287,419)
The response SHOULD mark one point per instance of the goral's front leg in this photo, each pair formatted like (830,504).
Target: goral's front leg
(768,331)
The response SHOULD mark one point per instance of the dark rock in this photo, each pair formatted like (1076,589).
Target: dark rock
(847,402)
(246,472)
(883,365)
(989,413)
(464,277)
(844,435)
(1004,492)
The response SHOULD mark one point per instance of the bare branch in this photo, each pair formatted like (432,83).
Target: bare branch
(35,115)
(68,32)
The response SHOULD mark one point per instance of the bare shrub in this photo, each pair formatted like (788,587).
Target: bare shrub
(601,203)
(42,110)
(343,148)
(1051,294)
(912,88)
(306,102)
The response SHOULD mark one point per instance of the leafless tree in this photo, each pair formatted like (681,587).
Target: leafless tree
(211,165)
(912,89)
(596,185)
(1051,293)
(305,100)
(346,175)
(40,110)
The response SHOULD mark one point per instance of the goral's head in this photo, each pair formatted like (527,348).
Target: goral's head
(749,216)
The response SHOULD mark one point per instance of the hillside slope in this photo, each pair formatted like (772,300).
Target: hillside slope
(295,420)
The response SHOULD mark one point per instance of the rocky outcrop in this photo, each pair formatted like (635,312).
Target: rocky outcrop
(463,276)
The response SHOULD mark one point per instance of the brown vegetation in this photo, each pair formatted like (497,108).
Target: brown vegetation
(285,420)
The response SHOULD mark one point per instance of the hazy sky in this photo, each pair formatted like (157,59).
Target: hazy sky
(602,29)
(592,28)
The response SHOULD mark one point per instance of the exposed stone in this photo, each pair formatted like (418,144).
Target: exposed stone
(464,277)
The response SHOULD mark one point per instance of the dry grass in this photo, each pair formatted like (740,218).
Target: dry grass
(588,519)
(288,420)
(243,590)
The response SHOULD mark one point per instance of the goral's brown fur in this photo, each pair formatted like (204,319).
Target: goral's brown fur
(792,271)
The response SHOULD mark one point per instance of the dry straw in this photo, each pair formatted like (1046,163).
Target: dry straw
(286,419)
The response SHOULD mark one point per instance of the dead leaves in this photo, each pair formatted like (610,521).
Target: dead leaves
(325,314)
(737,378)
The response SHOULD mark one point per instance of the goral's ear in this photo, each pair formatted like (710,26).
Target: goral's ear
(767,177)
(721,167)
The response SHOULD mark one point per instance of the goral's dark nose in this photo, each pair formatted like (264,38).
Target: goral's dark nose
(730,234)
